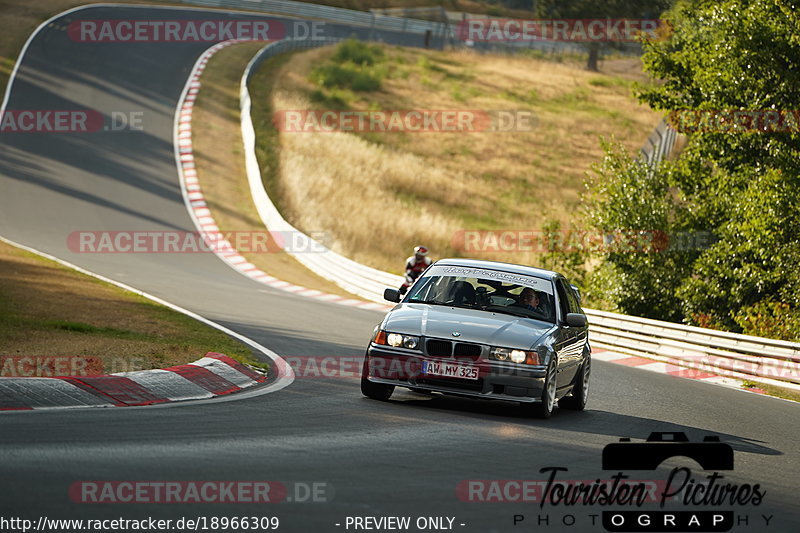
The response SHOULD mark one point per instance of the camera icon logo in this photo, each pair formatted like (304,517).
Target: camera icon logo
(710,454)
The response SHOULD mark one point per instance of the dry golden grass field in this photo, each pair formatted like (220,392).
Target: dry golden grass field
(378,194)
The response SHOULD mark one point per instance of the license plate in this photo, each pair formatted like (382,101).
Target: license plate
(449,370)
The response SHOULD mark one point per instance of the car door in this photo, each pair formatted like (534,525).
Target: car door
(582,334)
(569,347)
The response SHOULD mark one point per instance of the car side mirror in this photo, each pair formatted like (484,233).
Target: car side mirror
(393,295)
(576,320)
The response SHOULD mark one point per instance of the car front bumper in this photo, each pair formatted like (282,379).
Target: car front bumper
(497,380)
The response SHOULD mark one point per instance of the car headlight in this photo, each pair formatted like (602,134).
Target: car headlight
(514,355)
(410,342)
(394,339)
(518,356)
(397,340)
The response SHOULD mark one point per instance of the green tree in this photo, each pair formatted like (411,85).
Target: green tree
(742,185)
(563,251)
(730,55)
(643,262)
(736,55)
(756,257)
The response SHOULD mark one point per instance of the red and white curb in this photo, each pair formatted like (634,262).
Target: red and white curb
(669,369)
(212,376)
(198,209)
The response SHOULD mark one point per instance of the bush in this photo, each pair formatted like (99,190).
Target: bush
(757,253)
(628,198)
(331,75)
(771,319)
(357,52)
(350,77)
(334,99)
(354,66)
(365,81)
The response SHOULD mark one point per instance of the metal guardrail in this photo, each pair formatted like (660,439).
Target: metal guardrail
(727,354)
(307,10)
(660,144)
(443,31)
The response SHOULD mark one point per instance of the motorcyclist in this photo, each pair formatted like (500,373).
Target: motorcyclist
(415,266)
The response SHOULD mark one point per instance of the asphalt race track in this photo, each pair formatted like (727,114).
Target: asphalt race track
(402,458)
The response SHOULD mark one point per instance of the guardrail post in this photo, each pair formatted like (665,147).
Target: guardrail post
(371,26)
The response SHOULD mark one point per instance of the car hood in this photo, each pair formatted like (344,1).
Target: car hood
(482,327)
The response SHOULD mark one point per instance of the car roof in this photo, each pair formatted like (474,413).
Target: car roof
(497,265)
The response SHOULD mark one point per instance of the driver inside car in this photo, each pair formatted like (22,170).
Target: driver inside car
(463,294)
(529,299)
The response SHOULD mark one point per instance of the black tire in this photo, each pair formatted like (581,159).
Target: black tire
(544,408)
(375,391)
(580,390)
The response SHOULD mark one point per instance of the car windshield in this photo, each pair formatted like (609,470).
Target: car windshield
(522,300)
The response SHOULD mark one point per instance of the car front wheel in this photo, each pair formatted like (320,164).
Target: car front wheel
(544,408)
(376,391)
(580,391)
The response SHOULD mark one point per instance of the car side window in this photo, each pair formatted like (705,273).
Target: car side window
(563,301)
(574,304)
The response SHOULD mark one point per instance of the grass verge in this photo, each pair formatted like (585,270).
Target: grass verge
(48,310)
(772,390)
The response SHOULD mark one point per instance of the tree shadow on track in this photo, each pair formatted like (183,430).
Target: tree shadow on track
(25,170)
(614,425)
